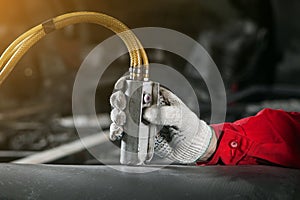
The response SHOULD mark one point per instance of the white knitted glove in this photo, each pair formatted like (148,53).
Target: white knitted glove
(184,138)
(117,115)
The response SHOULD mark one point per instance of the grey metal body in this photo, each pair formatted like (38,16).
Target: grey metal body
(172,182)
(137,145)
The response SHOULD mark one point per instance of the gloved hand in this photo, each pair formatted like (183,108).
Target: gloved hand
(184,138)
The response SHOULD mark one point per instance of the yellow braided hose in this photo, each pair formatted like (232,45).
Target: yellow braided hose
(81,17)
(58,23)
(15,45)
(17,55)
(22,44)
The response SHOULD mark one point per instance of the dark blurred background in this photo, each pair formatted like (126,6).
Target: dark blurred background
(255,44)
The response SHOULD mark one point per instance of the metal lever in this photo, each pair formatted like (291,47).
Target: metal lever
(137,145)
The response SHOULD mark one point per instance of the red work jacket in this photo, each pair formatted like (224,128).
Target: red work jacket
(270,137)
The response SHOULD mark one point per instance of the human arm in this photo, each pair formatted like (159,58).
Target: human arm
(271,137)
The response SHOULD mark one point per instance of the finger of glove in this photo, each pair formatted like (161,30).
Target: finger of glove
(164,115)
(120,84)
(118,117)
(118,100)
(170,97)
(115,132)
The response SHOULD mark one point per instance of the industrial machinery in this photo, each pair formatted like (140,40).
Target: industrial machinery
(137,145)
(102,182)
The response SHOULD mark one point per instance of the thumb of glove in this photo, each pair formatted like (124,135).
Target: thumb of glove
(165,115)
(173,113)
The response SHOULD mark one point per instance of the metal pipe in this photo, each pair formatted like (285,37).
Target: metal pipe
(65,149)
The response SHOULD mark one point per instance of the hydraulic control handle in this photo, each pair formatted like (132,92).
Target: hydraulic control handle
(137,144)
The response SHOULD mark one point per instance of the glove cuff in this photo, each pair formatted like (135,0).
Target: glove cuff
(196,146)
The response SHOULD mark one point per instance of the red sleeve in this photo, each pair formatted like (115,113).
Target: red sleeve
(272,136)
